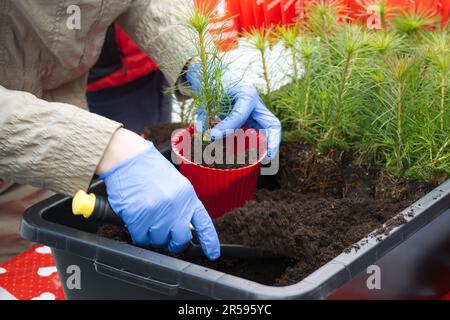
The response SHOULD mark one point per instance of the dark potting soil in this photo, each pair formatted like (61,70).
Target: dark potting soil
(324,205)
(116,233)
(213,159)
(258,270)
(162,132)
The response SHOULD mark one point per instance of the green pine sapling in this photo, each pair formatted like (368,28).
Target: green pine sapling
(308,51)
(289,35)
(261,40)
(414,23)
(399,68)
(211,98)
(438,54)
(323,21)
(349,46)
(383,93)
(303,50)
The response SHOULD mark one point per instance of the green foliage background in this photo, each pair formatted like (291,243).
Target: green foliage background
(383,93)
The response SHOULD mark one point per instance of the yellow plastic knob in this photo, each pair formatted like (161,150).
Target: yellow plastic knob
(83,204)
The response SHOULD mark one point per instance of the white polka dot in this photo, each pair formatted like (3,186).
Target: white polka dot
(5,295)
(43,250)
(45,296)
(2,270)
(46,271)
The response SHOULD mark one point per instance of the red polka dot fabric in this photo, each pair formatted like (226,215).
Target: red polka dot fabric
(31,275)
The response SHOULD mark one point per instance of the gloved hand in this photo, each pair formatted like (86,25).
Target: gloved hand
(248,109)
(157,204)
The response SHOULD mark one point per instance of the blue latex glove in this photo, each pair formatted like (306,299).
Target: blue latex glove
(157,204)
(247,109)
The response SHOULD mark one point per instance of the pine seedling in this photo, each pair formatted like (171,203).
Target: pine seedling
(323,16)
(429,149)
(350,43)
(211,98)
(428,134)
(384,42)
(399,89)
(400,67)
(186,112)
(309,52)
(381,44)
(376,106)
(289,36)
(381,7)
(323,20)
(413,23)
(438,54)
(296,99)
(261,40)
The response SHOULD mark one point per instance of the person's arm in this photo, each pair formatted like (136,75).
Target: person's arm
(157,28)
(54,146)
(58,147)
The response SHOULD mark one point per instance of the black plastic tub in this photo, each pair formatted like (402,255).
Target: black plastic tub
(412,262)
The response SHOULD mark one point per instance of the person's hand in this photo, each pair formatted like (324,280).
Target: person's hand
(154,200)
(248,109)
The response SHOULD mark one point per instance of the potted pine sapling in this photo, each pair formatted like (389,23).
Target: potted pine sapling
(223,172)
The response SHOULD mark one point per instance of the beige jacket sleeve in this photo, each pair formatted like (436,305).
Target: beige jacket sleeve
(158,28)
(54,146)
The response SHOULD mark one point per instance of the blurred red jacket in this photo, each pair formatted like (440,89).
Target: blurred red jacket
(133,64)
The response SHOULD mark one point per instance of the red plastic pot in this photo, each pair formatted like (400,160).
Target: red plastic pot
(291,11)
(220,190)
(272,12)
